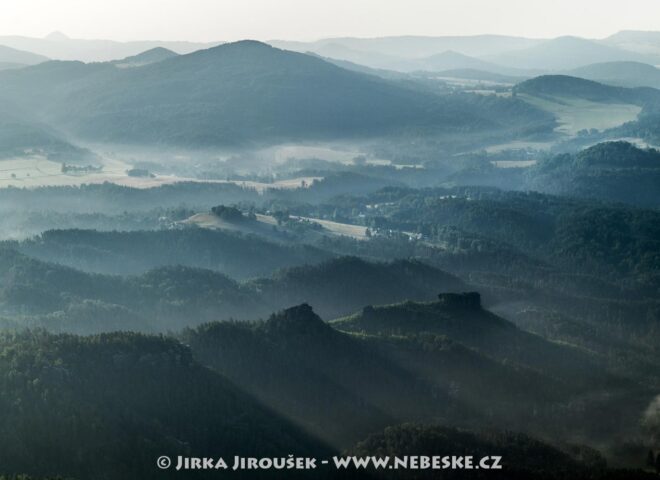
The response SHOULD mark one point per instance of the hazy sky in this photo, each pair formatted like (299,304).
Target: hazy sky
(207,20)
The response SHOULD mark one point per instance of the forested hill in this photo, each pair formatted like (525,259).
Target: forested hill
(567,86)
(108,406)
(40,294)
(19,58)
(342,386)
(624,74)
(616,242)
(341,285)
(461,317)
(245,92)
(129,253)
(610,171)
(153,55)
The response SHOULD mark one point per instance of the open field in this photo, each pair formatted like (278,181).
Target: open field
(290,183)
(575,114)
(37,171)
(513,163)
(335,228)
(486,91)
(345,155)
(263,225)
(519,145)
(471,82)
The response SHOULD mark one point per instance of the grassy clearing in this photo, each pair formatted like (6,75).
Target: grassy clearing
(575,114)
(343,229)
(37,171)
(264,224)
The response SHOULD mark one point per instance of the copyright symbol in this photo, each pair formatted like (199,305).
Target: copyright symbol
(163,462)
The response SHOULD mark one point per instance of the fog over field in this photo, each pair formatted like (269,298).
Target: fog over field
(329,230)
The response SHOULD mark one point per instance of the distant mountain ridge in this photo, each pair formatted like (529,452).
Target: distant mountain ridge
(449,60)
(410,46)
(59,46)
(566,53)
(406,53)
(379,52)
(647,42)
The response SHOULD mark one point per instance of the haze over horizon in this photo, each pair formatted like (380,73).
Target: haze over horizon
(229,20)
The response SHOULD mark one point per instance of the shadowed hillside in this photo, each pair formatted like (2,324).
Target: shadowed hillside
(63,299)
(343,386)
(123,400)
